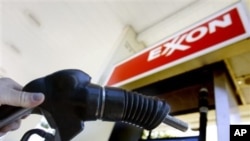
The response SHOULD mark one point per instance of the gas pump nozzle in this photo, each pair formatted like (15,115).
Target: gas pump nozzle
(70,99)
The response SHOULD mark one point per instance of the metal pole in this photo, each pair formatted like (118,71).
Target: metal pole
(203,108)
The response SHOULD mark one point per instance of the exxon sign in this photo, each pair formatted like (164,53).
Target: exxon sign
(220,30)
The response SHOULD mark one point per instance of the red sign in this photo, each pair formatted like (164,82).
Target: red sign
(216,32)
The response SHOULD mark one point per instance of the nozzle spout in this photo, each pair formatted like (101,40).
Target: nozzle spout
(176,123)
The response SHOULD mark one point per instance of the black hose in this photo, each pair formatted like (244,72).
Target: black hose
(41,133)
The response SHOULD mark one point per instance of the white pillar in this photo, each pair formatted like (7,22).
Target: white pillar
(224,102)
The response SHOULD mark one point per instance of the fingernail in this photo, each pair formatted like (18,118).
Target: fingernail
(38,97)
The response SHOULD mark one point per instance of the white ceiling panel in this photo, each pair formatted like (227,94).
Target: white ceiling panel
(143,14)
(65,37)
(62,34)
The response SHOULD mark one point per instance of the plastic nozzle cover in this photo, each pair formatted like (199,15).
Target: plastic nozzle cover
(140,110)
(134,108)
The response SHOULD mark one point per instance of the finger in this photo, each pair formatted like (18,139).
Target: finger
(15,125)
(11,127)
(22,99)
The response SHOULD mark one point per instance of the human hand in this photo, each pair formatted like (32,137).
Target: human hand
(11,94)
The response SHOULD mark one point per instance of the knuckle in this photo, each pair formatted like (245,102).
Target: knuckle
(24,102)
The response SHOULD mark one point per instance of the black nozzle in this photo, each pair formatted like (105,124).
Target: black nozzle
(70,99)
(61,91)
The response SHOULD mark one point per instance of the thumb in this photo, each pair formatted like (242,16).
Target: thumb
(23,99)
